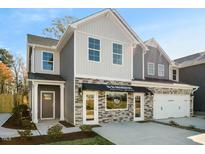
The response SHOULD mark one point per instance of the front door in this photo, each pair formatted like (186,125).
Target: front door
(47,105)
(90,107)
(138,107)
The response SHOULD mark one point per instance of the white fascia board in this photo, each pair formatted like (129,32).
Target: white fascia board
(163,85)
(133,33)
(42,46)
(66,36)
(101,78)
(53,82)
(183,66)
(85,19)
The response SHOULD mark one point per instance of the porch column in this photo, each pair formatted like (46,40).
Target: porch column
(35,103)
(62,102)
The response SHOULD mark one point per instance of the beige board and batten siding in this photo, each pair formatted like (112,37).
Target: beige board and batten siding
(38,68)
(108,32)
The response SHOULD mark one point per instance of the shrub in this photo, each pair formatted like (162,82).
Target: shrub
(173,123)
(86,128)
(21,110)
(26,123)
(55,131)
(25,133)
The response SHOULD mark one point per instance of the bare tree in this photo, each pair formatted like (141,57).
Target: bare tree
(58,27)
(20,75)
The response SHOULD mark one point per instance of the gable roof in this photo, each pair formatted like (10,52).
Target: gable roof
(39,40)
(195,59)
(74,25)
(153,43)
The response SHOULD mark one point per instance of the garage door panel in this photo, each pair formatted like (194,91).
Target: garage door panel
(166,106)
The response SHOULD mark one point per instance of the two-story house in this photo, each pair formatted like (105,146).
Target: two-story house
(100,71)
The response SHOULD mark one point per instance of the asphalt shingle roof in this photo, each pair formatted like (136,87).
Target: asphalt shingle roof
(41,76)
(34,39)
(194,59)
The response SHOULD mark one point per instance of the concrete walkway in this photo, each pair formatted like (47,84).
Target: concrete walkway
(198,122)
(149,133)
(45,125)
(5,132)
(42,128)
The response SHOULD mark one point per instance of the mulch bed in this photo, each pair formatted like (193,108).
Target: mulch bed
(66,124)
(44,139)
(11,123)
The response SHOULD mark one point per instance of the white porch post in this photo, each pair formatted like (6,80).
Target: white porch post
(62,102)
(35,103)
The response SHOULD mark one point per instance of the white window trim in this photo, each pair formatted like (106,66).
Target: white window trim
(96,118)
(93,49)
(114,109)
(43,60)
(161,66)
(148,69)
(118,54)
(142,106)
(177,75)
(41,105)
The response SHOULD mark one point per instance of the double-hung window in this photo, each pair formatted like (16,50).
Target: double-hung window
(93,49)
(117,53)
(47,61)
(151,69)
(160,70)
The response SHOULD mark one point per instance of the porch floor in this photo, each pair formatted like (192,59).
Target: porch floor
(42,127)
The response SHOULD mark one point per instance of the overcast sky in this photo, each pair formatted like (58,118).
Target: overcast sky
(179,31)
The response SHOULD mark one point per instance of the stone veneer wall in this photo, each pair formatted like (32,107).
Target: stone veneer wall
(106,116)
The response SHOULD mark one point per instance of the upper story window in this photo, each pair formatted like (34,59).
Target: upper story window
(151,69)
(94,49)
(48,61)
(117,53)
(160,70)
(174,75)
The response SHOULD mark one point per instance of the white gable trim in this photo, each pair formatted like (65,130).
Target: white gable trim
(160,49)
(120,20)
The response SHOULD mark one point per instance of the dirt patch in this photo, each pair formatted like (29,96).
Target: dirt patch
(44,139)
(11,123)
(66,124)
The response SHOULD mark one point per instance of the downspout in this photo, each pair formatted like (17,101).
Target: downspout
(192,100)
(144,52)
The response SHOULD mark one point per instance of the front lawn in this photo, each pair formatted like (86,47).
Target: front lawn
(97,140)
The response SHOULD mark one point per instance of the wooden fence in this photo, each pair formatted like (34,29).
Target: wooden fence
(7,102)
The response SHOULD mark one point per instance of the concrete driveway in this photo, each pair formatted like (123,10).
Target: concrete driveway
(198,122)
(149,133)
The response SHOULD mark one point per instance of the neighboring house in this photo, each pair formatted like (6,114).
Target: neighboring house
(192,71)
(100,71)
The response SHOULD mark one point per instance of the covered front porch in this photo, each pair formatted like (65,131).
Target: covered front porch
(47,99)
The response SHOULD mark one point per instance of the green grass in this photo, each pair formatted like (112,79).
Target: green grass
(97,140)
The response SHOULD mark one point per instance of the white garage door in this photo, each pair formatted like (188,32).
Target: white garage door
(167,106)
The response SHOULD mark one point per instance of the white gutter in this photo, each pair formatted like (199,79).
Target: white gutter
(163,85)
(43,81)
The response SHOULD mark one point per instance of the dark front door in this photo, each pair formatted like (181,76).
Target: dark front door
(47,105)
